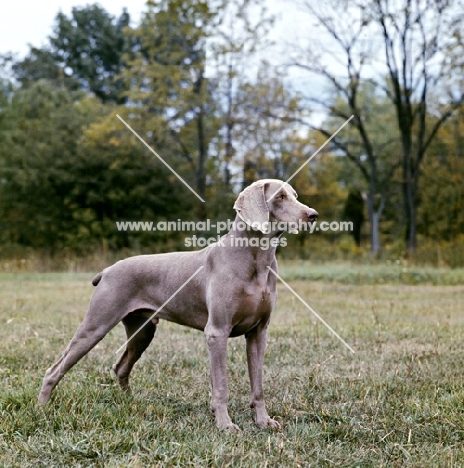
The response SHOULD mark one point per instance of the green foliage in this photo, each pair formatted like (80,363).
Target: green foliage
(37,164)
(441,208)
(127,183)
(85,52)
(41,64)
(62,189)
(168,86)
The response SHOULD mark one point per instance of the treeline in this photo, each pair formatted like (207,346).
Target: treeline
(191,80)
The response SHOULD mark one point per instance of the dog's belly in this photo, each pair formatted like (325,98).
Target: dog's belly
(192,317)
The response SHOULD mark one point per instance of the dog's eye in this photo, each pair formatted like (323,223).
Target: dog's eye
(281,196)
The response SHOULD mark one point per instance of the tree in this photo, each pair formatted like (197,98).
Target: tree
(116,179)
(354,212)
(40,64)
(36,165)
(364,141)
(441,210)
(239,36)
(168,83)
(414,35)
(84,52)
(67,176)
(266,128)
(417,34)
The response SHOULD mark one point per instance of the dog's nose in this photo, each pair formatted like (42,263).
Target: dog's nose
(312,215)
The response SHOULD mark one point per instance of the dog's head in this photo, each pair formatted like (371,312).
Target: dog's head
(269,200)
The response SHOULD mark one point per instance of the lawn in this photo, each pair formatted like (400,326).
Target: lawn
(399,401)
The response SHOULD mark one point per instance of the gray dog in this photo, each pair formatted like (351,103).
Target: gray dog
(233,294)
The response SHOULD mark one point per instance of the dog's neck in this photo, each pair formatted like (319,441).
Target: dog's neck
(258,244)
(241,229)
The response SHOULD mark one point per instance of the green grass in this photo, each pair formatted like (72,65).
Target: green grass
(399,401)
(381,273)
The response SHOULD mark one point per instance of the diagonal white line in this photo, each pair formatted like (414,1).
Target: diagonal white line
(159,157)
(313,311)
(160,309)
(306,162)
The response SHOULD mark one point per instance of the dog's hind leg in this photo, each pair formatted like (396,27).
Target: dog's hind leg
(135,347)
(92,329)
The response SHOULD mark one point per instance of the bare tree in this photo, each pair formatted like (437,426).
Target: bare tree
(242,32)
(401,47)
(418,36)
(341,60)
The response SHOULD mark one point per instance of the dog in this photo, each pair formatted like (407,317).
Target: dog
(227,291)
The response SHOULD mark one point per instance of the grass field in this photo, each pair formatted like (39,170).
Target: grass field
(399,401)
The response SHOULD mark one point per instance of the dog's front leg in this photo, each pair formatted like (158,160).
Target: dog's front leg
(256,347)
(216,339)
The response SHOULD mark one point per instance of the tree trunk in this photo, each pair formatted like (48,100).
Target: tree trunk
(201,173)
(411,241)
(409,183)
(229,149)
(374,218)
(201,177)
(375,237)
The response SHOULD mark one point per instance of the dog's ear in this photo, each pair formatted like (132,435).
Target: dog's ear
(251,206)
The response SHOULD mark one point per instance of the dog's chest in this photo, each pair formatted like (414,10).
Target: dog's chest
(261,292)
(258,301)
(254,306)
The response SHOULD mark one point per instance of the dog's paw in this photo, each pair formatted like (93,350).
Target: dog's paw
(43,399)
(232,428)
(227,425)
(268,423)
